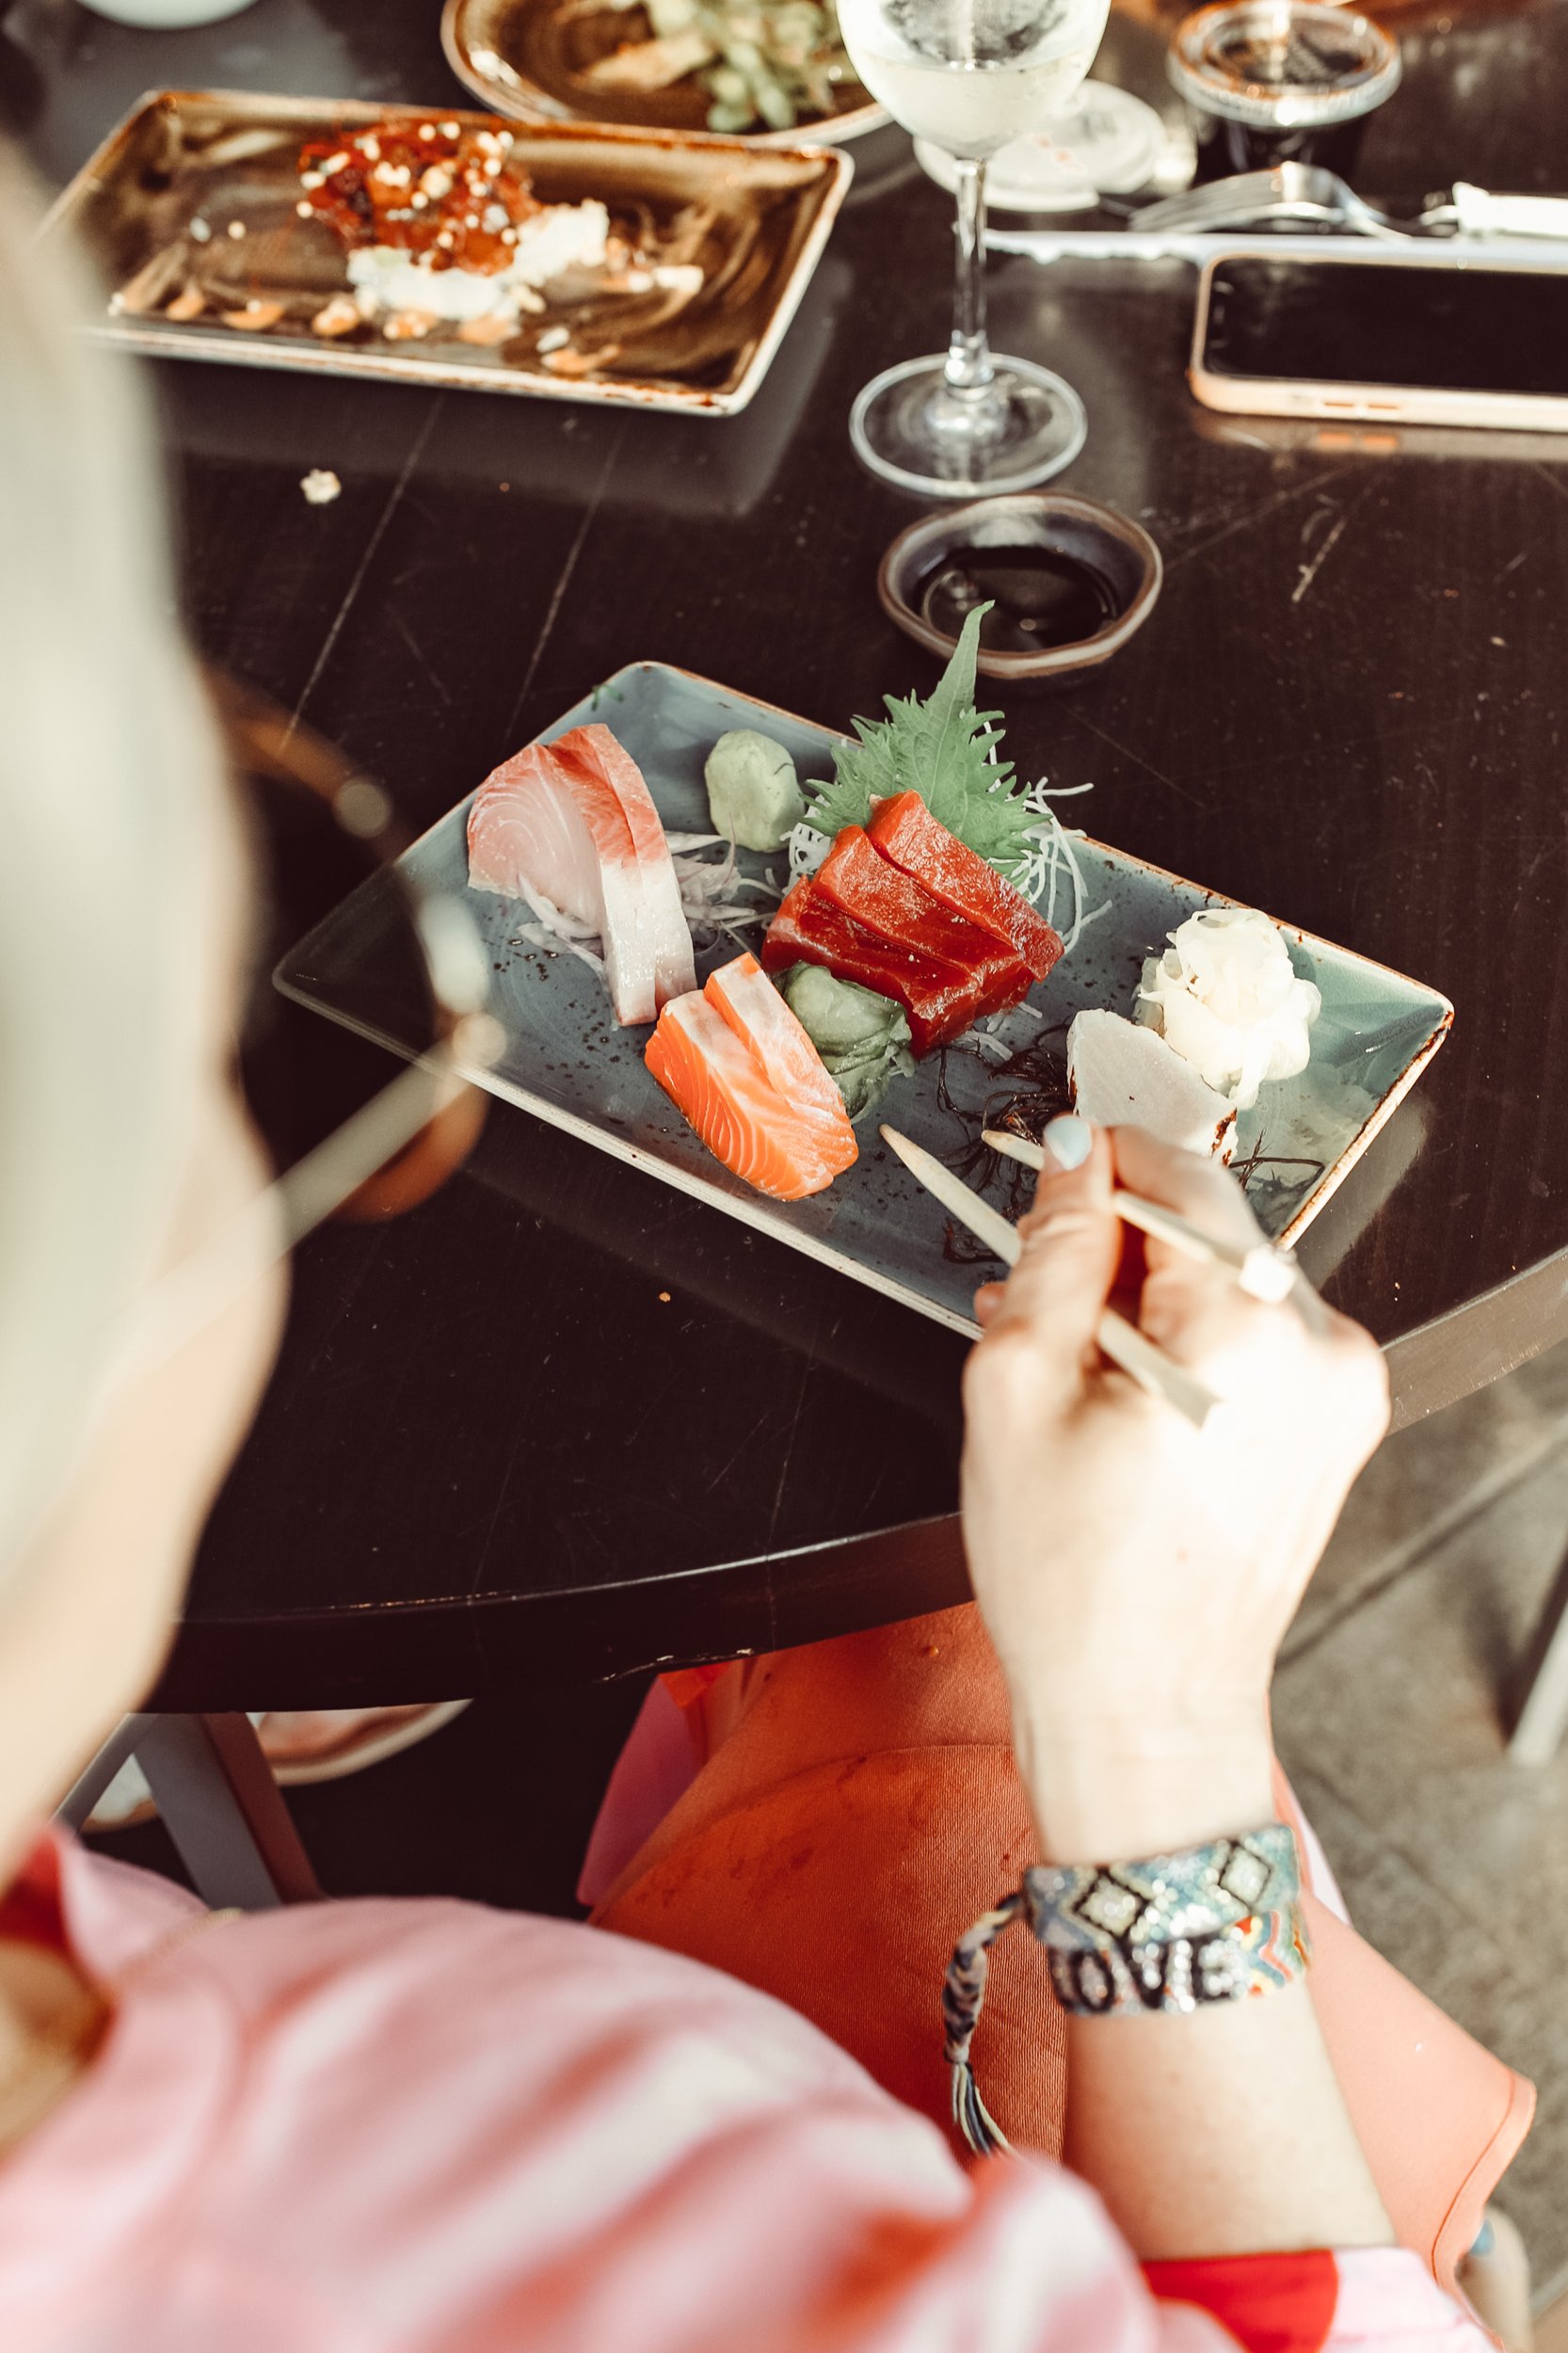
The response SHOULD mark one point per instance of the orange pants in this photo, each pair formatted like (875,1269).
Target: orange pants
(860,1808)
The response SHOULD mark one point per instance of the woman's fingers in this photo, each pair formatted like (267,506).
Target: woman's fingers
(1071,1241)
(1198,1189)
(1195,1308)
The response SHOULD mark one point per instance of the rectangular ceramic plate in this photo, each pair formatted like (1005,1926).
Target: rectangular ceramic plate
(755,220)
(567,1061)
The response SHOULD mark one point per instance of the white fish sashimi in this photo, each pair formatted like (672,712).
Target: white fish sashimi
(1124,1075)
(673,970)
(523,836)
(550,828)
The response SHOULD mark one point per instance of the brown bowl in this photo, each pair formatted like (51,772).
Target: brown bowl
(526,59)
(1119,550)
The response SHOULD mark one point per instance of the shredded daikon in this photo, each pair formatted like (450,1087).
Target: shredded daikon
(1053,862)
(709,889)
(999,1024)
(541,936)
(555,918)
(807,848)
(563,927)
(993,1036)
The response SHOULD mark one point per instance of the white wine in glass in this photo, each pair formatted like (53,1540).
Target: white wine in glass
(969,75)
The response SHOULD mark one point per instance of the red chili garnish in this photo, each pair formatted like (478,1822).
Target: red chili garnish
(452,197)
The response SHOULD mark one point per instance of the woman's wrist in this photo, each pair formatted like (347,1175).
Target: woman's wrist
(1105,1793)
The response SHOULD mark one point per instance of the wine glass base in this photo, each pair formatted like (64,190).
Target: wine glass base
(908,427)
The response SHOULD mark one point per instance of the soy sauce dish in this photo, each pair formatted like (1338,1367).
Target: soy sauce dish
(1069,582)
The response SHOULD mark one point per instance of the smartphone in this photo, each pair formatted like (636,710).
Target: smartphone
(1418,342)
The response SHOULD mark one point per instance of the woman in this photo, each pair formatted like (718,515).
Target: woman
(421,2125)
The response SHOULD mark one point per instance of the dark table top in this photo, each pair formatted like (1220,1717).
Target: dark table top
(493,1452)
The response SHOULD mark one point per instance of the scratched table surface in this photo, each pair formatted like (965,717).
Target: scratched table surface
(563,1422)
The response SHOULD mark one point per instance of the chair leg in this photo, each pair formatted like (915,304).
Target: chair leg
(85,1792)
(220,1805)
(1543,1715)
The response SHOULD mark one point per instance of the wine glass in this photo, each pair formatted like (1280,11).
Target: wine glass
(969,75)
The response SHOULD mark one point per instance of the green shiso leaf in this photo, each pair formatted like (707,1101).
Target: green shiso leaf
(938,748)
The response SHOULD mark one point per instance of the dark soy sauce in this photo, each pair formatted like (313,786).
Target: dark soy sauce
(1040,596)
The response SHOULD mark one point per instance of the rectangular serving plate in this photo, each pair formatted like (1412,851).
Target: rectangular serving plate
(133,200)
(567,1061)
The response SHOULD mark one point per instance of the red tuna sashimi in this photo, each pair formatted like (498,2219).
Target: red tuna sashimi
(782,1047)
(595,749)
(541,828)
(719,1085)
(900,909)
(941,1000)
(905,832)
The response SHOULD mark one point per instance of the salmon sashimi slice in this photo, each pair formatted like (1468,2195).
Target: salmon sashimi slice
(778,1042)
(594,747)
(782,1148)
(888,901)
(941,1000)
(542,828)
(905,832)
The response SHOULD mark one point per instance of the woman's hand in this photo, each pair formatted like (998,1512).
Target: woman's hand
(1136,1575)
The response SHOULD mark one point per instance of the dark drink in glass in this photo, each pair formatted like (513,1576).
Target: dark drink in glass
(1280,81)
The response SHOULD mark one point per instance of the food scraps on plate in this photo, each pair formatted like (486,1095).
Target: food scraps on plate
(441,234)
(440,222)
(911,918)
(772,63)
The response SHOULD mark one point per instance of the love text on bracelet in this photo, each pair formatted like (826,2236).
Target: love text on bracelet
(1216,1922)
(1212,1924)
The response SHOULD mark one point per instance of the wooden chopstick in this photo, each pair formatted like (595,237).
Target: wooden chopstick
(1122,1341)
(1260,1270)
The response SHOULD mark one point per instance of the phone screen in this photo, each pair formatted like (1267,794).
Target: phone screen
(1469,330)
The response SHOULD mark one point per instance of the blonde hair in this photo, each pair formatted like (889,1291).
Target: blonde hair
(109,821)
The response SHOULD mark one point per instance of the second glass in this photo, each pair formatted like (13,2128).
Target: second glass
(969,75)
(1273,82)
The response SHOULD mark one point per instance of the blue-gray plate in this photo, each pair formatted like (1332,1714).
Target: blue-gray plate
(568,1061)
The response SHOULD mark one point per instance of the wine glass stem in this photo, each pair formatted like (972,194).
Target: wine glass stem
(968,372)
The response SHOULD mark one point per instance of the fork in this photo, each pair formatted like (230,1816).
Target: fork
(1303,192)
(1310,193)
(1486,226)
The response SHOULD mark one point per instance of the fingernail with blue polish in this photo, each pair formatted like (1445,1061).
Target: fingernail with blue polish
(1070,1141)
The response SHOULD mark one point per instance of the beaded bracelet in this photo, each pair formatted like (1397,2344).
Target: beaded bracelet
(1216,1922)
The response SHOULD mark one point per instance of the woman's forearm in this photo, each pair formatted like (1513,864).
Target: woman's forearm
(1221,2131)
(1136,1575)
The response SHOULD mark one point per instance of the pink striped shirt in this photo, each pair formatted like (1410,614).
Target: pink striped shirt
(390,2127)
